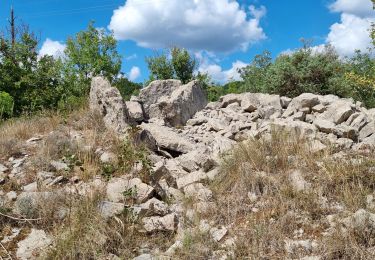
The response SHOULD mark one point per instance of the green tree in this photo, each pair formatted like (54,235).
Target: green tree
(361,78)
(180,65)
(296,73)
(90,53)
(373,27)
(255,75)
(93,52)
(160,67)
(6,105)
(233,87)
(361,75)
(31,81)
(183,64)
(127,88)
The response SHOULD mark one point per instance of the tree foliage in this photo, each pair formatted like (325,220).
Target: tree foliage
(306,70)
(177,64)
(296,73)
(127,88)
(6,105)
(91,53)
(373,27)
(183,64)
(160,67)
(31,83)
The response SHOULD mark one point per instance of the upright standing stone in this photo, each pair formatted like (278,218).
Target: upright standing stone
(109,103)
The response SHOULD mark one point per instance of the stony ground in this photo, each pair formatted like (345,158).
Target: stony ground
(168,176)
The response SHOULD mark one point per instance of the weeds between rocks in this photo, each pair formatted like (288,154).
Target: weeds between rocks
(273,192)
(75,221)
(277,196)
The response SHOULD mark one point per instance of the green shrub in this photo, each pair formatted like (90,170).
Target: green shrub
(33,83)
(180,65)
(296,73)
(306,70)
(6,105)
(127,88)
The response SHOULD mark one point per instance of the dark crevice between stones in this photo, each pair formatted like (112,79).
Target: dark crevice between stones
(169,153)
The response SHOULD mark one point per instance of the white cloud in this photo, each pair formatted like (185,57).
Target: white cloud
(361,8)
(52,48)
(132,57)
(134,73)
(219,75)
(350,34)
(211,25)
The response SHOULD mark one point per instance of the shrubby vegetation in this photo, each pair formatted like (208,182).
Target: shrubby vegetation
(181,65)
(31,83)
(308,71)
(6,104)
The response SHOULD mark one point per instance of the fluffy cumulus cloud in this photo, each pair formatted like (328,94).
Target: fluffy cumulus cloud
(52,48)
(211,25)
(352,32)
(134,73)
(218,74)
(361,8)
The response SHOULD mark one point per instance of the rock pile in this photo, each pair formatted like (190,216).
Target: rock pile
(186,137)
(185,157)
(213,128)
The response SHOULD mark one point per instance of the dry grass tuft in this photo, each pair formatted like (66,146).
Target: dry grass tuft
(86,234)
(265,208)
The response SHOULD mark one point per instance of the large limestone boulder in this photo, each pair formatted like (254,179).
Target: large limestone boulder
(361,220)
(175,104)
(304,101)
(135,111)
(109,103)
(367,130)
(295,128)
(339,111)
(252,101)
(166,223)
(230,99)
(157,89)
(168,139)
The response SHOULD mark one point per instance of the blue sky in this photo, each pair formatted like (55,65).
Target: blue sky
(223,34)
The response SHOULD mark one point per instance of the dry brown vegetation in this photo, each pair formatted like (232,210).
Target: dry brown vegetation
(258,200)
(80,231)
(255,196)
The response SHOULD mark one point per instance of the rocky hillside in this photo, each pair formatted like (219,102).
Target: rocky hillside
(168,176)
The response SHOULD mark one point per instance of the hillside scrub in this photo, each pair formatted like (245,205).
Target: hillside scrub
(306,71)
(81,231)
(276,192)
(180,65)
(30,83)
(250,176)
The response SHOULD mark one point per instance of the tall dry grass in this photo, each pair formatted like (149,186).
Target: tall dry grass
(257,198)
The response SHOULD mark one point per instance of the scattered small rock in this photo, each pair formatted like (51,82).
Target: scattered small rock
(33,244)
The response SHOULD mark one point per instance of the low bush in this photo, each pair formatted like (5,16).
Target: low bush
(307,70)
(6,105)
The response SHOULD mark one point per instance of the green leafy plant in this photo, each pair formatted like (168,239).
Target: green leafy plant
(131,155)
(108,170)
(6,105)
(180,66)
(130,195)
